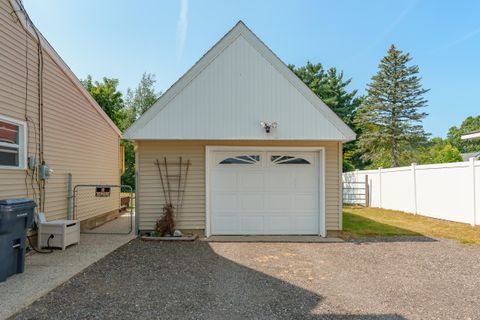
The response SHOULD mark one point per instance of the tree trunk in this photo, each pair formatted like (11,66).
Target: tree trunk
(394,152)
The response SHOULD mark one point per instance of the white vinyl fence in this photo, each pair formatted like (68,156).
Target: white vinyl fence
(449,191)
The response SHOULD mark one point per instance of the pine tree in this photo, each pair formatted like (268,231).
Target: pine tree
(330,86)
(390,118)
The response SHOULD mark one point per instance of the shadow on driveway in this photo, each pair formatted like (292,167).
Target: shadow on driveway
(157,280)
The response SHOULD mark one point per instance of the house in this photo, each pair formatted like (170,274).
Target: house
(471,135)
(467,156)
(265,151)
(47,117)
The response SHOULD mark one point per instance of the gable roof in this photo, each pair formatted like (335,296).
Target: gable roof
(247,44)
(467,156)
(23,17)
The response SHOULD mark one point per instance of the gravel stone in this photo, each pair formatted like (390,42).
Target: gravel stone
(436,279)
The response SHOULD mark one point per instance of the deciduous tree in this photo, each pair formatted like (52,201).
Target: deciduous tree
(136,103)
(438,150)
(108,98)
(455,134)
(124,112)
(144,95)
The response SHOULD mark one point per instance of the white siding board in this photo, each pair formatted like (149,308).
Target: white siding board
(230,97)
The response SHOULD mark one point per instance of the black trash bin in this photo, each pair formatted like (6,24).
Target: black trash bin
(16,216)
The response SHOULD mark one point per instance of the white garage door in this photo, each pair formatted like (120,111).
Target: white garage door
(261,193)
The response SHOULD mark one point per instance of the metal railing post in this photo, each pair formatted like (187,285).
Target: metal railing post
(130,191)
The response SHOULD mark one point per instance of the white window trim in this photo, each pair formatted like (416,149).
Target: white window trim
(322,180)
(22,147)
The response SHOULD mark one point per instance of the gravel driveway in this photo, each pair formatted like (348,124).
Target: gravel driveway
(373,280)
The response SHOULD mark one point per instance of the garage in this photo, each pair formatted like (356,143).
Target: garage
(265,152)
(274,192)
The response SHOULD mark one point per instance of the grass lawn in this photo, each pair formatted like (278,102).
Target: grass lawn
(361,222)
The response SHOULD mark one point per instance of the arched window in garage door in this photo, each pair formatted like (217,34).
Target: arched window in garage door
(242,159)
(278,159)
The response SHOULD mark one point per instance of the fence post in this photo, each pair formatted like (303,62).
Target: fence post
(380,186)
(367,192)
(474,200)
(414,175)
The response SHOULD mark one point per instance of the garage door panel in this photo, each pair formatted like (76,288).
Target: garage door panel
(305,224)
(305,180)
(251,202)
(226,180)
(225,201)
(279,196)
(278,179)
(252,224)
(279,202)
(251,181)
(227,224)
(305,202)
(278,224)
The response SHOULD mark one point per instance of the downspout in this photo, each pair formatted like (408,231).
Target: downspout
(136,149)
(69,198)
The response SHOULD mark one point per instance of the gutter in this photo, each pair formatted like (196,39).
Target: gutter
(471,135)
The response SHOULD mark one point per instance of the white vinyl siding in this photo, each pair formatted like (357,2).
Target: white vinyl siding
(254,91)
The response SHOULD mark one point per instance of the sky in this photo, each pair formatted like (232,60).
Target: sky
(123,39)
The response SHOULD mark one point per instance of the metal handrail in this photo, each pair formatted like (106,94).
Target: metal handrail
(120,186)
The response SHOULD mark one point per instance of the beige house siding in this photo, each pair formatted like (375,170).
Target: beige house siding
(192,215)
(77,138)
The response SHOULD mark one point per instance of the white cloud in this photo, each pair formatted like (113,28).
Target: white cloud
(465,37)
(392,26)
(456,42)
(182,26)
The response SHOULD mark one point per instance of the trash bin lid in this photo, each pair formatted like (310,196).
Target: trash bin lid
(12,202)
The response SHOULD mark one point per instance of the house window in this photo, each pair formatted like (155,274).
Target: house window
(12,143)
(288,160)
(244,159)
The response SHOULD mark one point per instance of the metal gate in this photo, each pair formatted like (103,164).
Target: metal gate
(104,209)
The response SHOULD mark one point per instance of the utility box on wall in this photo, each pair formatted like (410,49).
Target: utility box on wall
(44,172)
